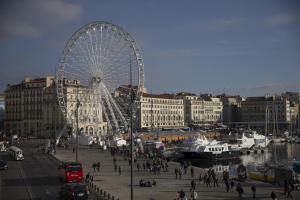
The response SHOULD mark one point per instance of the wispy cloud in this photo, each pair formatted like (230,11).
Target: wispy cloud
(189,52)
(216,25)
(269,88)
(283,19)
(26,18)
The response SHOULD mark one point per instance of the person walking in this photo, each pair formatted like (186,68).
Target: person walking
(193,185)
(289,193)
(273,196)
(231,184)
(192,172)
(176,172)
(194,195)
(87,177)
(240,190)
(253,189)
(226,182)
(180,173)
(94,167)
(120,171)
(98,166)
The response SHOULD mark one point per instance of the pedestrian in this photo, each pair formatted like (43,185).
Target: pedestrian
(176,172)
(253,189)
(215,181)
(227,185)
(116,167)
(138,166)
(87,177)
(285,187)
(94,167)
(240,190)
(120,171)
(154,182)
(193,185)
(180,173)
(273,195)
(194,195)
(98,166)
(192,172)
(231,184)
(289,193)
(182,194)
(200,178)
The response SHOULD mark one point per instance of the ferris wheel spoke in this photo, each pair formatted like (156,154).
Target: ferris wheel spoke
(111,111)
(115,105)
(93,53)
(110,50)
(115,55)
(109,44)
(107,118)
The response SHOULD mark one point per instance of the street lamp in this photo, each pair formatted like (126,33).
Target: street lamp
(77,126)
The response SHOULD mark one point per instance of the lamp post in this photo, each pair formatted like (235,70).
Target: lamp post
(131,131)
(77,126)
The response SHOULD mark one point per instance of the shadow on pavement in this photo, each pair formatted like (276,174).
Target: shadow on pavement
(33,181)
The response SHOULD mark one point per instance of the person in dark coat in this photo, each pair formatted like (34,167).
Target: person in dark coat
(253,189)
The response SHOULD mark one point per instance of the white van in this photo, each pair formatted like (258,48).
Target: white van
(16,153)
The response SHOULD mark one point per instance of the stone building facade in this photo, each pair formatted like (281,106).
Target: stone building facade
(231,108)
(160,111)
(24,106)
(199,112)
(32,109)
(254,109)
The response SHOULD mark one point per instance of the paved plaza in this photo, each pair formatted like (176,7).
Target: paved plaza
(167,185)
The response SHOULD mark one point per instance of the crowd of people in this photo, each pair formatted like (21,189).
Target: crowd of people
(155,164)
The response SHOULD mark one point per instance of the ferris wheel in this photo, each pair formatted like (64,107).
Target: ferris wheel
(98,59)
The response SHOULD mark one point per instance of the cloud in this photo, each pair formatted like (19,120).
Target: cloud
(283,19)
(30,18)
(189,52)
(269,88)
(217,25)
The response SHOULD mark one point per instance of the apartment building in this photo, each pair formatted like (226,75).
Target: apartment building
(231,108)
(160,111)
(24,106)
(200,111)
(254,109)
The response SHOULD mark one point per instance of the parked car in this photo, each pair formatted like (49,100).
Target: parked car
(72,191)
(3,165)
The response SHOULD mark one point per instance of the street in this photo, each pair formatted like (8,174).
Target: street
(33,178)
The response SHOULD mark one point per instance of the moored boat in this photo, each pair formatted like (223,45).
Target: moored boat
(215,150)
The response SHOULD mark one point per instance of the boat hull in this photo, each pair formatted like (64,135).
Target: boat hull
(210,156)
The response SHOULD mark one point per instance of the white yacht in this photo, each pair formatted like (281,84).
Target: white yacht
(214,150)
(245,142)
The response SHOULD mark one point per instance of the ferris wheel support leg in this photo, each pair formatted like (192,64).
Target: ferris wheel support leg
(61,133)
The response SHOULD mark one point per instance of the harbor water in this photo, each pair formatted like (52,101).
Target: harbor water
(278,153)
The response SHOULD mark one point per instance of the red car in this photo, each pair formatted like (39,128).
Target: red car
(71,172)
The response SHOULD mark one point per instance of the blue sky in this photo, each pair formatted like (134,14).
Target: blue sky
(238,47)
